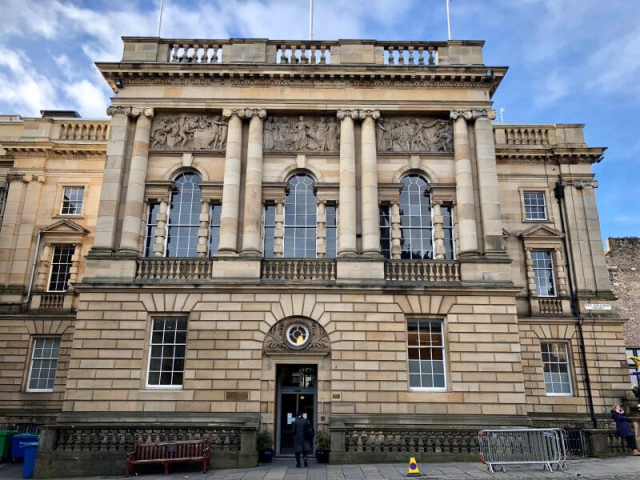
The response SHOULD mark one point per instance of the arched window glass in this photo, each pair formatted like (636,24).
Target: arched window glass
(184,216)
(416,224)
(300,218)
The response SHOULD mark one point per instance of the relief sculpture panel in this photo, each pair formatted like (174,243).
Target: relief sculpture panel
(189,132)
(301,134)
(410,134)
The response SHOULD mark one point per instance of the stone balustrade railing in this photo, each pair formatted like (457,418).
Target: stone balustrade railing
(550,306)
(302,52)
(84,130)
(163,269)
(539,135)
(300,270)
(421,271)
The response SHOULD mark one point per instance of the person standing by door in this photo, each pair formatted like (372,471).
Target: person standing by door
(300,443)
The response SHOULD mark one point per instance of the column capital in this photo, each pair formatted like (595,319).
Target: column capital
(254,112)
(580,184)
(119,110)
(141,111)
(375,114)
(488,113)
(466,114)
(394,202)
(229,112)
(321,201)
(342,114)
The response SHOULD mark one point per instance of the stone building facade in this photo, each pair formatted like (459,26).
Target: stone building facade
(265,227)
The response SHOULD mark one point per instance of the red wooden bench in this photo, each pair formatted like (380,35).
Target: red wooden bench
(170,452)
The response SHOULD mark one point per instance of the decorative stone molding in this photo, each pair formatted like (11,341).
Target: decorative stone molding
(25,177)
(255,112)
(414,134)
(362,114)
(158,191)
(189,132)
(580,184)
(228,112)
(347,113)
(301,134)
(119,110)
(466,114)
(488,113)
(278,342)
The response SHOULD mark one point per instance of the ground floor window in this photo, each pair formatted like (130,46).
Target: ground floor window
(167,352)
(44,362)
(426,354)
(557,375)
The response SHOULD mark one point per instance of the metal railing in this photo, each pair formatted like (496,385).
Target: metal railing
(543,446)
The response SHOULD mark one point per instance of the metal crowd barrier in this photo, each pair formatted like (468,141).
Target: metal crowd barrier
(545,446)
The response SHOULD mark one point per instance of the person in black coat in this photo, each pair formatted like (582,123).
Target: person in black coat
(300,444)
(623,428)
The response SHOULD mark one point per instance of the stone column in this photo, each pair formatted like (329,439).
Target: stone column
(161,229)
(466,209)
(73,271)
(43,268)
(347,196)
(252,220)
(370,210)
(231,187)
(104,240)
(203,231)
(531,278)
(278,230)
(134,202)
(322,229)
(561,274)
(11,221)
(396,232)
(493,242)
(438,231)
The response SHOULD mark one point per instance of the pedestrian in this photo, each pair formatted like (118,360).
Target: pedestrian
(623,428)
(300,443)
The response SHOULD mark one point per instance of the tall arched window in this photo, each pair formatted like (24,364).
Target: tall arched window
(300,218)
(184,216)
(416,223)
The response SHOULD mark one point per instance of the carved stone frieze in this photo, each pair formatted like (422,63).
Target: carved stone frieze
(277,340)
(189,132)
(580,184)
(414,134)
(301,134)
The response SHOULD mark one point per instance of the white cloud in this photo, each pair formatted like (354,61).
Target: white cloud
(89,98)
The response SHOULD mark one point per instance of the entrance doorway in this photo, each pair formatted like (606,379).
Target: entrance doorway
(297,388)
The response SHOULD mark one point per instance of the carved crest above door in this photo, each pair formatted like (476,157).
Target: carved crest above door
(297,334)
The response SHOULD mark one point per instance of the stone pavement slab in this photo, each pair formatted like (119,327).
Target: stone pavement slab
(617,468)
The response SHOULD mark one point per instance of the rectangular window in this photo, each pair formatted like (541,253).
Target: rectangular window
(332,231)
(61,268)
(534,206)
(447,227)
(3,202)
(72,201)
(543,273)
(426,354)
(385,230)
(269,230)
(167,352)
(44,362)
(214,228)
(557,378)
(150,233)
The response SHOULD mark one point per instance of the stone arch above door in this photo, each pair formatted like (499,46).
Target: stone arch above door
(281,338)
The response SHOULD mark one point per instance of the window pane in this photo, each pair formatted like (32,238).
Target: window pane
(544,276)
(184,216)
(44,362)
(72,201)
(534,206)
(300,218)
(425,344)
(167,353)
(555,360)
(61,263)
(415,219)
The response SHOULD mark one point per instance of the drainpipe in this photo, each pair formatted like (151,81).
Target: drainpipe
(559,194)
(33,267)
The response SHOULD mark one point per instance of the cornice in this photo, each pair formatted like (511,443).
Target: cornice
(564,156)
(325,76)
(52,150)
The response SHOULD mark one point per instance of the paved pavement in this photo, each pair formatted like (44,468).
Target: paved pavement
(617,468)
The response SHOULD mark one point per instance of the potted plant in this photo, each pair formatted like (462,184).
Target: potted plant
(322,447)
(264,443)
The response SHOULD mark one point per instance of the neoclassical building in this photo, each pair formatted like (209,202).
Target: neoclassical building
(265,227)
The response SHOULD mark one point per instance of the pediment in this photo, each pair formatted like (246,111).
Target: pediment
(65,226)
(542,232)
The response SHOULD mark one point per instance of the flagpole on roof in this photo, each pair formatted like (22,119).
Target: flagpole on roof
(310,19)
(160,17)
(448,21)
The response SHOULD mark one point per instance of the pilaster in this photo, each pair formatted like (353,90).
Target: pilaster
(347,217)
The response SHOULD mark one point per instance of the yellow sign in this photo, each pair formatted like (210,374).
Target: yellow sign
(414,471)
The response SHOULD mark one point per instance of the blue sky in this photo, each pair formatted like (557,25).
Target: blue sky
(570,61)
